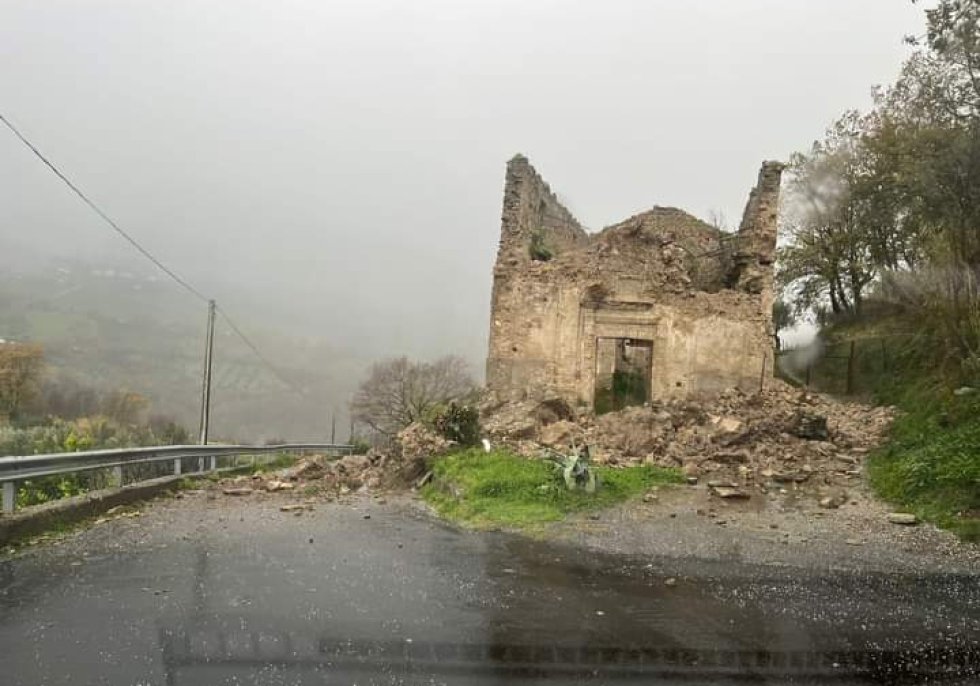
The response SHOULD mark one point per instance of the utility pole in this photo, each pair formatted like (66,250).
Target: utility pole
(206,385)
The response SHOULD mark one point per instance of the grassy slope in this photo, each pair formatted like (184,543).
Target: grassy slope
(501,489)
(931,463)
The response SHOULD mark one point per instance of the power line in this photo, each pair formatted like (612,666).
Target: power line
(147,254)
(258,353)
(95,208)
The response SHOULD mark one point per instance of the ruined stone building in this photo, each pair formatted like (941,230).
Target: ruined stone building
(659,305)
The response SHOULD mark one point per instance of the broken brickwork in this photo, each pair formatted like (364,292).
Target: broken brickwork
(672,305)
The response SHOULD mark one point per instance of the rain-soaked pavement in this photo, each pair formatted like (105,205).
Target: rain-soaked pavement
(204,592)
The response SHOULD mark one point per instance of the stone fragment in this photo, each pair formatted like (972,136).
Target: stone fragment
(904,518)
(725,492)
(238,491)
(810,426)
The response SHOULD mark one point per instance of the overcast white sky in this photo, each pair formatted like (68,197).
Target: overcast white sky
(337,167)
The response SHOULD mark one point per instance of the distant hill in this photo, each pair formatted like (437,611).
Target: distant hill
(116,329)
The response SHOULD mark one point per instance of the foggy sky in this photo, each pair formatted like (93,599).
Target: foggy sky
(335,169)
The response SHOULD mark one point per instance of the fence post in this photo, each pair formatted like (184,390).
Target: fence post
(9,496)
(850,369)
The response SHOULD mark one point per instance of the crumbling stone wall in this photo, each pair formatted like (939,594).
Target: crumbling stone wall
(701,297)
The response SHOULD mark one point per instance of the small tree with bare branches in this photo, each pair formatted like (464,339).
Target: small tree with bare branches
(399,391)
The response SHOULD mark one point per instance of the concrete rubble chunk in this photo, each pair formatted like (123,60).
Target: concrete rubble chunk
(726,424)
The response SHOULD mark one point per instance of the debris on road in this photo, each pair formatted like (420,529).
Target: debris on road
(402,466)
(237,491)
(904,518)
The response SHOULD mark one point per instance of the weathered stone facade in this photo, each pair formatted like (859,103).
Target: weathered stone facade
(662,298)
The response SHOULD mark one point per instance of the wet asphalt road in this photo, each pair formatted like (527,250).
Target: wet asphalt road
(219,592)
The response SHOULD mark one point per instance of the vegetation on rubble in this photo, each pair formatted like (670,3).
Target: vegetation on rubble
(459,423)
(501,489)
(538,248)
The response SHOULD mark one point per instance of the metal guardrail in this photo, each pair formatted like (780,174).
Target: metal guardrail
(23,467)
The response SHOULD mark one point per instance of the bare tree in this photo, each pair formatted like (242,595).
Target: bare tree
(398,391)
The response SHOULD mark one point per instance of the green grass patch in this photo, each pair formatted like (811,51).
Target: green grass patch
(931,465)
(500,489)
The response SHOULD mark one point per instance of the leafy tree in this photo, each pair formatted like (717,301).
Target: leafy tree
(889,203)
(20,371)
(399,391)
(828,223)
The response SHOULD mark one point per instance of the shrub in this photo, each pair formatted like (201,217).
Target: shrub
(459,423)
(538,249)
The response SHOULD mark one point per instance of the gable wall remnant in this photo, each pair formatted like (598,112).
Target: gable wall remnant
(701,296)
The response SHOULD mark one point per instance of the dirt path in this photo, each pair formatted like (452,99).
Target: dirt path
(778,529)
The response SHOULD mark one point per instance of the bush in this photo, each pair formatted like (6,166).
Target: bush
(538,249)
(85,433)
(459,423)
(360,446)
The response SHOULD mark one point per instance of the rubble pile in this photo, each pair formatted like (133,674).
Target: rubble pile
(782,436)
(399,467)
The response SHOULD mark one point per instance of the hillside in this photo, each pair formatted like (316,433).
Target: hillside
(115,329)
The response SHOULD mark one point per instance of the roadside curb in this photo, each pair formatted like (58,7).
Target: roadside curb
(41,518)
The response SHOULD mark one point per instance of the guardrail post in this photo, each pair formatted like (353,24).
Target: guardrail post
(117,475)
(9,496)
(177,466)
(212,463)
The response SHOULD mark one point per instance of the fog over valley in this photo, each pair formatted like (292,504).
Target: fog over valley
(331,172)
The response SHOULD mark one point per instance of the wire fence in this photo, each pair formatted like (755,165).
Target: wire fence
(844,367)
